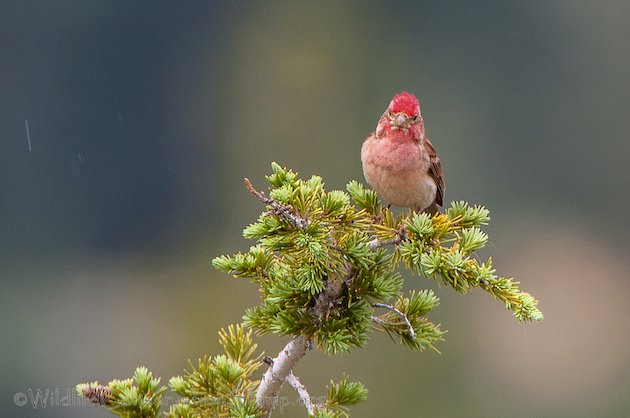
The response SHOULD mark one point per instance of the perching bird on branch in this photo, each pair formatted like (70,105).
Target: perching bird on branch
(399,161)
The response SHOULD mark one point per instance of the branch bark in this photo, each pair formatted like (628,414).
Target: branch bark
(280,209)
(276,374)
(398,312)
(401,235)
(301,390)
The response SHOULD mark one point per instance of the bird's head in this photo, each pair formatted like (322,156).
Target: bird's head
(403,112)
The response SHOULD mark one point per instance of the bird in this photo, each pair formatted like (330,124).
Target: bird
(399,161)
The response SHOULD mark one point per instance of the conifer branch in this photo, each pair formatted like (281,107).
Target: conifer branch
(399,313)
(328,299)
(302,392)
(323,269)
(375,244)
(279,369)
(285,211)
(139,396)
(282,366)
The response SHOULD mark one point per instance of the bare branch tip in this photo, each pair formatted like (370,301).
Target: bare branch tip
(251,188)
(401,314)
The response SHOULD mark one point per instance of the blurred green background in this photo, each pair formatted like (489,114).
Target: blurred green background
(145,116)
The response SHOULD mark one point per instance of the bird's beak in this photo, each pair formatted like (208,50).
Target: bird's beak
(400,120)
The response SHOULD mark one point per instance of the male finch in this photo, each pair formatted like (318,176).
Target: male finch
(399,161)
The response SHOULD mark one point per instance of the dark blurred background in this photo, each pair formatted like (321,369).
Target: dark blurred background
(143,117)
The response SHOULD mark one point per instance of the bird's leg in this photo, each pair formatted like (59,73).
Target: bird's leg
(379,218)
(402,232)
(432,210)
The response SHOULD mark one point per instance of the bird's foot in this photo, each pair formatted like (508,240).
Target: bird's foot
(378,219)
(402,233)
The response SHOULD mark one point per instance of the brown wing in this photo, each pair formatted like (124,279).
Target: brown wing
(435,170)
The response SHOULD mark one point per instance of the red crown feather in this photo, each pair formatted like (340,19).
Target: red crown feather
(406,103)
